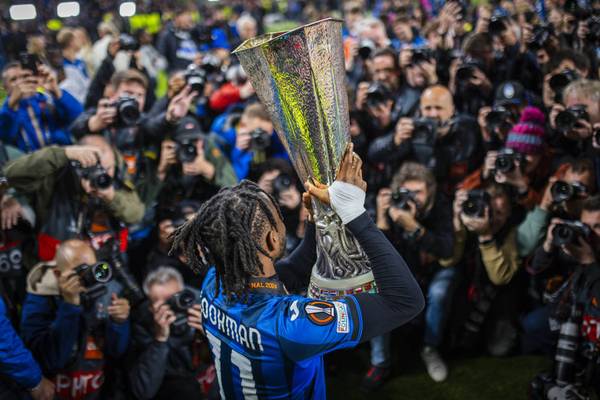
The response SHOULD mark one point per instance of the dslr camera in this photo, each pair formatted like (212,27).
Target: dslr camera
(92,275)
(500,118)
(186,150)
(401,198)
(128,42)
(96,175)
(569,232)
(195,77)
(568,119)
(560,81)
(476,203)
(422,54)
(366,47)
(467,68)
(260,139)
(180,303)
(128,111)
(377,93)
(562,191)
(506,160)
(282,183)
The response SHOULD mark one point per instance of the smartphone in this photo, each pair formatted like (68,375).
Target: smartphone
(29,61)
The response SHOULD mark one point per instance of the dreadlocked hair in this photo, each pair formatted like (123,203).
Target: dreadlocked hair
(226,232)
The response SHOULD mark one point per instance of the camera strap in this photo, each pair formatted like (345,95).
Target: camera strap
(40,133)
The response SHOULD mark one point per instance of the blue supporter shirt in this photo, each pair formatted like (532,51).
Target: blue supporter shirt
(272,345)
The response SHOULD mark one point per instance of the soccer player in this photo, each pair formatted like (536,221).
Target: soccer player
(266,343)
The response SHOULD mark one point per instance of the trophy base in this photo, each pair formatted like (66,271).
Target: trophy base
(333,289)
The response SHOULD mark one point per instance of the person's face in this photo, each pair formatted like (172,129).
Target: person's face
(134,90)
(570,23)
(501,209)
(11,77)
(416,76)
(592,219)
(592,107)
(184,21)
(532,162)
(248,124)
(248,30)
(403,31)
(384,71)
(420,190)
(165,230)
(161,292)
(440,107)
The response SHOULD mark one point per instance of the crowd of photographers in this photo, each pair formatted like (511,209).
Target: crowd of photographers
(479,128)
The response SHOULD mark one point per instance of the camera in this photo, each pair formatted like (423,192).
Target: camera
(559,82)
(186,150)
(282,183)
(29,62)
(401,198)
(96,175)
(500,118)
(540,37)
(562,191)
(128,111)
(180,303)
(476,203)
(497,24)
(506,160)
(568,119)
(422,54)
(92,275)
(467,68)
(195,77)
(128,42)
(377,93)
(260,139)
(569,232)
(425,131)
(365,48)
(202,34)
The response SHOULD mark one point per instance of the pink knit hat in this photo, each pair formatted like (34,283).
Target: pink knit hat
(527,137)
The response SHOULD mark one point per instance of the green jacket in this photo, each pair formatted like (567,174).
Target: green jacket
(36,175)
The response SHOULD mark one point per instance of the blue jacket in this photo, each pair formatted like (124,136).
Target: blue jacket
(16,361)
(52,328)
(53,118)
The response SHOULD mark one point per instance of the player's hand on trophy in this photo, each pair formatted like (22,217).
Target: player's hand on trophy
(349,171)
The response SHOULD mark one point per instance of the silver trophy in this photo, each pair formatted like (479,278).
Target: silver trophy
(299,76)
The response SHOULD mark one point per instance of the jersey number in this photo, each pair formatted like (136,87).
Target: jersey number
(241,362)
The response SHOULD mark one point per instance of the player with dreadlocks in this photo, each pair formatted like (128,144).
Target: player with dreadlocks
(267,344)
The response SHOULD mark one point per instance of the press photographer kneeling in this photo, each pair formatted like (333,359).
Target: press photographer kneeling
(74,320)
(167,341)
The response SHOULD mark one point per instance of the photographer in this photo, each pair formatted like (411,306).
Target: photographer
(30,119)
(191,166)
(418,221)
(74,321)
(569,245)
(77,191)
(485,246)
(167,347)
(448,144)
(252,141)
(566,190)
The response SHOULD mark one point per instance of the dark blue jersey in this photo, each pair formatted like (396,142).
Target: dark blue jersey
(271,346)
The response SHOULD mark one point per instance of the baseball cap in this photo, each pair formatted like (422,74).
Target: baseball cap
(510,92)
(188,128)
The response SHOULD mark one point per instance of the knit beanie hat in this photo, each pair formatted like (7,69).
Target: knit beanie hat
(527,137)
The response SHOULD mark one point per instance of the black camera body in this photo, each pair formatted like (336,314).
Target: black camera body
(260,139)
(507,159)
(562,191)
(377,93)
(467,68)
(422,54)
(96,175)
(569,232)
(568,119)
(476,203)
(499,118)
(180,303)
(281,183)
(402,197)
(366,47)
(560,81)
(186,150)
(128,42)
(128,111)
(425,131)
(195,77)
(92,275)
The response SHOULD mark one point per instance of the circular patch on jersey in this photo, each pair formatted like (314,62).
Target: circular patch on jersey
(320,312)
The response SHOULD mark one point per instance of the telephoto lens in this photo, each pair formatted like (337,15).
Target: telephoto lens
(568,119)
(186,151)
(566,348)
(128,111)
